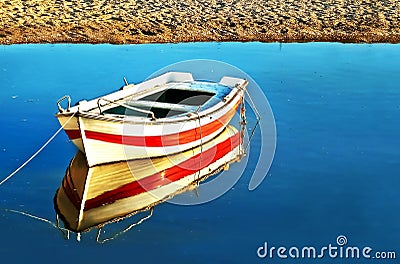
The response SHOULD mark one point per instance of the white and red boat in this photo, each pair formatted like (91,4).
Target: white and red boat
(93,196)
(161,116)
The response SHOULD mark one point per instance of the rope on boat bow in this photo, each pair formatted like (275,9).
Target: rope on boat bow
(123,231)
(258,116)
(201,142)
(242,124)
(37,152)
(56,225)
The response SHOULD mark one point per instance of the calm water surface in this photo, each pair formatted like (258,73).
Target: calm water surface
(335,172)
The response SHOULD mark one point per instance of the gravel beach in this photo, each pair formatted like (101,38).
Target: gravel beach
(147,21)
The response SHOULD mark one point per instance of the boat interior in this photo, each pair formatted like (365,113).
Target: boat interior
(175,99)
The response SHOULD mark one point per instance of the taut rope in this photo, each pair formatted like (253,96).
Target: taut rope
(258,116)
(37,152)
(63,230)
(98,240)
(201,143)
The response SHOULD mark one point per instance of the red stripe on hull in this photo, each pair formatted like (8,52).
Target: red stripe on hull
(167,176)
(165,140)
(73,133)
(70,190)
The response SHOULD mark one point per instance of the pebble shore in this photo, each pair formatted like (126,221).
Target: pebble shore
(158,21)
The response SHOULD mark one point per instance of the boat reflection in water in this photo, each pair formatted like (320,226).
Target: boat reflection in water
(93,196)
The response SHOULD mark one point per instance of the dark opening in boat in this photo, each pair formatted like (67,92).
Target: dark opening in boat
(166,103)
(180,96)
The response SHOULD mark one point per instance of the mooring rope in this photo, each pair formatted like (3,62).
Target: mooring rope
(123,231)
(201,144)
(242,123)
(258,116)
(63,230)
(37,152)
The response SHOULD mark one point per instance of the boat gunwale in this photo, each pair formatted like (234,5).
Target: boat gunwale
(170,120)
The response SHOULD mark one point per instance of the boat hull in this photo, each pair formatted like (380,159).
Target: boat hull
(105,140)
(93,196)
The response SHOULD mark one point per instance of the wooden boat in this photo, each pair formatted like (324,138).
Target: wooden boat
(161,116)
(92,196)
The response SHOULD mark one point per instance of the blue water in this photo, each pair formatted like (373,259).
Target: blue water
(335,171)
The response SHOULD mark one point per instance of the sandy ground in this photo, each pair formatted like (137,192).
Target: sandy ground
(143,21)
